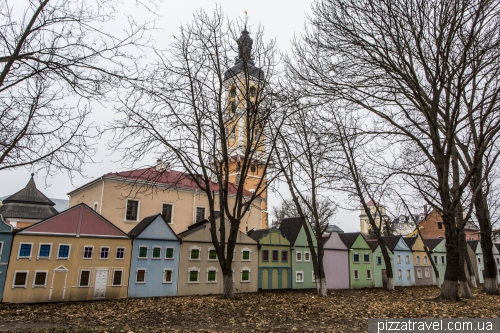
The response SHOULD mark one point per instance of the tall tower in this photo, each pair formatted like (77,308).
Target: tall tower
(243,82)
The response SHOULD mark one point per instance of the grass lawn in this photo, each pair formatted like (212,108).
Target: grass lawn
(300,311)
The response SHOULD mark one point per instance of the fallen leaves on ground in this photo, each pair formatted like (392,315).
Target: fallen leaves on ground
(280,311)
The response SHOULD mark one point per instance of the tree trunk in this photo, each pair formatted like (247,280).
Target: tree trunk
(438,281)
(390,284)
(483,218)
(321,286)
(227,280)
(466,292)
(449,290)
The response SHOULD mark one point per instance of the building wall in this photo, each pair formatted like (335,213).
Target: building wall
(275,274)
(420,265)
(429,228)
(361,247)
(154,284)
(62,283)
(303,266)
(480,263)
(404,280)
(364,223)
(336,263)
(440,253)
(496,256)
(114,203)
(6,244)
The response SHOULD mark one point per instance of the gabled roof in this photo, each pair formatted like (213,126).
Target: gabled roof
(290,228)
(349,238)
(194,228)
(470,225)
(333,227)
(78,221)
(431,243)
(373,243)
(498,246)
(473,244)
(410,241)
(28,203)
(391,241)
(257,234)
(139,228)
(169,178)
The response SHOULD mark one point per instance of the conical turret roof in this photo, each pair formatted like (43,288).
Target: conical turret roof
(28,203)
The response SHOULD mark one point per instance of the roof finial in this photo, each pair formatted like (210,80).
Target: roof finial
(32,174)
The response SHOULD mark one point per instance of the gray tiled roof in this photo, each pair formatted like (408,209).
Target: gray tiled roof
(193,228)
(431,243)
(136,231)
(373,243)
(349,238)
(473,244)
(290,228)
(410,241)
(257,234)
(391,241)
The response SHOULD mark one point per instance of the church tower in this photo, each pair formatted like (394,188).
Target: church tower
(243,83)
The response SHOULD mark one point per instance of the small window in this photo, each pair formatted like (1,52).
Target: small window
(366,257)
(245,255)
(193,276)
(1,248)
(425,260)
(245,275)
(356,257)
(84,278)
(44,251)
(400,274)
(407,259)
(87,252)
(120,252)
(427,273)
(40,279)
(265,255)
(418,260)
(24,250)
(298,256)
(299,276)
(95,206)
(398,259)
(443,260)
(275,255)
(498,261)
(307,256)
(166,212)
(117,277)
(140,276)
(435,259)
(379,260)
(200,214)
(167,275)
(212,254)
(169,253)
(440,225)
(156,252)
(194,254)
(408,274)
(63,252)
(479,260)
(211,276)
(419,273)
(132,210)
(143,252)
(104,252)
(20,279)
(368,274)
(284,256)
(356,274)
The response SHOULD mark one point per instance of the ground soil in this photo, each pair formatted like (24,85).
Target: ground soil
(299,311)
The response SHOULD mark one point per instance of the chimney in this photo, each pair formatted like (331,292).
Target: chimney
(166,166)
(159,165)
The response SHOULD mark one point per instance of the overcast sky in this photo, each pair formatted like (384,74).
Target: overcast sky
(281,20)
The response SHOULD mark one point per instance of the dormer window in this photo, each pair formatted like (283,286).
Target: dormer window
(232,92)
(401,219)
(253,91)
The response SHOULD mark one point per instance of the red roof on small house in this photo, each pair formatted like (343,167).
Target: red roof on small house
(171,178)
(79,220)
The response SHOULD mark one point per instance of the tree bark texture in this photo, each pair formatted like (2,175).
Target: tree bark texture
(228,286)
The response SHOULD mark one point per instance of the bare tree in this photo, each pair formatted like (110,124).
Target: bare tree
(410,63)
(302,163)
(57,58)
(209,116)
(326,211)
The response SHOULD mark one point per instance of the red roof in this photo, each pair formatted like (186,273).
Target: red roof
(79,220)
(170,178)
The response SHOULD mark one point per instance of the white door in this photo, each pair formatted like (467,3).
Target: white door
(101,279)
